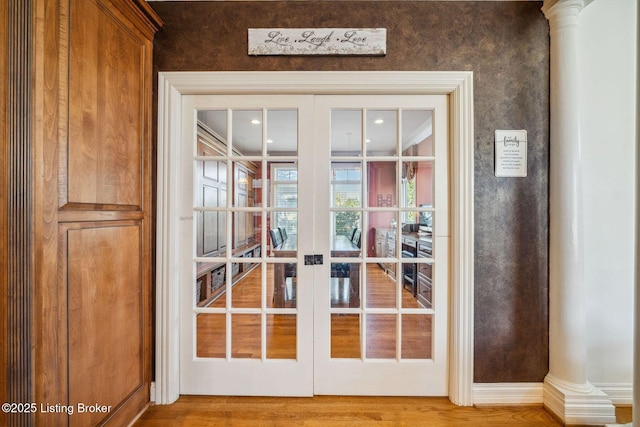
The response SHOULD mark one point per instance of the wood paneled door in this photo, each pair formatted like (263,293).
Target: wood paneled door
(89,301)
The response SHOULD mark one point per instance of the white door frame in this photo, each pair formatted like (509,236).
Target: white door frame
(458,85)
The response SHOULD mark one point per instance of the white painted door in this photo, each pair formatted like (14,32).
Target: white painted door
(381,316)
(246,323)
(372,317)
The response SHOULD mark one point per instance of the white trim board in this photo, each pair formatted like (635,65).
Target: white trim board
(458,85)
(620,394)
(499,394)
(496,394)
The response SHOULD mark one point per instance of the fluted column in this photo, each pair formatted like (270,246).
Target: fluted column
(567,391)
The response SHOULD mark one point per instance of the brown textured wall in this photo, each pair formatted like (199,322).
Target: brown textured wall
(506,45)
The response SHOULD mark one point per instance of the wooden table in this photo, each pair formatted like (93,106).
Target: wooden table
(341,247)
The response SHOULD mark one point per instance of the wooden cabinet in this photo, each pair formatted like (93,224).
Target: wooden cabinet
(89,177)
(244,196)
(211,228)
(212,191)
(391,253)
(386,248)
(380,243)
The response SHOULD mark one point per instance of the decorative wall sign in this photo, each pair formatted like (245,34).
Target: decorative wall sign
(511,153)
(318,41)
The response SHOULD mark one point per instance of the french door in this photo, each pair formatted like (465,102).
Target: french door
(314,245)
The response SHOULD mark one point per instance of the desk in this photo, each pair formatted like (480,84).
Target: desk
(341,246)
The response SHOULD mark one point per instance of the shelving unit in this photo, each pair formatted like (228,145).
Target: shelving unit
(211,277)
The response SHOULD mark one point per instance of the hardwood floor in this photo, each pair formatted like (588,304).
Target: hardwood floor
(337,411)
(329,410)
(204,411)
(345,328)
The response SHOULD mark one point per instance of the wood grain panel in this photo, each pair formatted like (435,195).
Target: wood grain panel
(50,103)
(106,84)
(3,203)
(91,176)
(106,329)
(18,279)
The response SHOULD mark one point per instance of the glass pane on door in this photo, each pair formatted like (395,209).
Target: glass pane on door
(352,186)
(383,196)
(246,189)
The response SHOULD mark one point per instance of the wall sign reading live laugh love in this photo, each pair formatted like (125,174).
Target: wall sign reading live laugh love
(317,41)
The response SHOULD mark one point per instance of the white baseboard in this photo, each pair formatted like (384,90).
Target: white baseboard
(505,394)
(620,394)
(577,404)
(495,394)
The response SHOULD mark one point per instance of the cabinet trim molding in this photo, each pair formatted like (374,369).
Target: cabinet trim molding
(17,208)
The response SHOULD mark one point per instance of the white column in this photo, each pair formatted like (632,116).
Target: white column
(567,392)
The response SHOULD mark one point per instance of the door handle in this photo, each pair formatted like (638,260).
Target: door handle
(313,259)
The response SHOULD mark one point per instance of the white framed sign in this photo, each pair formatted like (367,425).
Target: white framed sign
(318,41)
(511,153)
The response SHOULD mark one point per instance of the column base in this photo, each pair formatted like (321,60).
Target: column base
(577,404)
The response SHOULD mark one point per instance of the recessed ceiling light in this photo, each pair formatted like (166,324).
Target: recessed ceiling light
(255,122)
(269,141)
(379,121)
(367,141)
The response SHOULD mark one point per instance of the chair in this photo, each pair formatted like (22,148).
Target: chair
(357,236)
(352,233)
(283,233)
(276,237)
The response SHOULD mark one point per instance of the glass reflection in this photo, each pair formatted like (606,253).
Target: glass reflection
(345,336)
(211,335)
(381,288)
(283,185)
(385,229)
(214,124)
(424,288)
(345,285)
(246,132)
(381,336)
(417,133)
(417,184)
(282,285)
(281,336)
(210,283)
(282,132)
(246,232)
(382,133)
(417,333)
(346,132)
(346,184)
(409,279)
(381,177)
(247,292)
(347,239)
(245,336)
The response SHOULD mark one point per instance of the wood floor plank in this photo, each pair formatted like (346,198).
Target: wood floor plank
(337,411)
(345,339)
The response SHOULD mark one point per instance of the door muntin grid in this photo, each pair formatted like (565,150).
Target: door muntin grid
(390,198)
(240,311)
